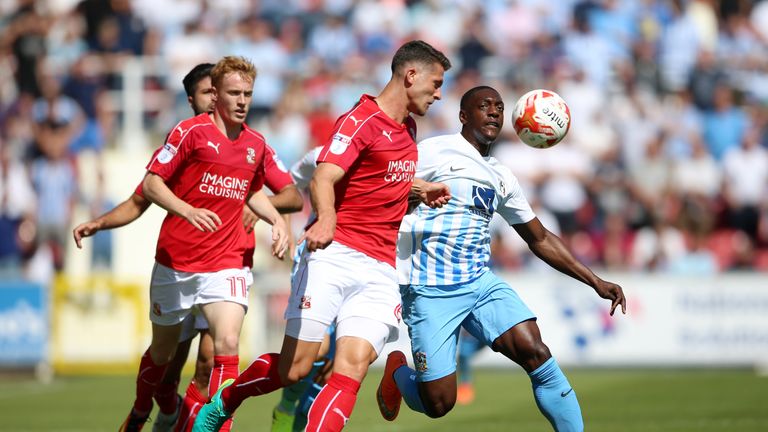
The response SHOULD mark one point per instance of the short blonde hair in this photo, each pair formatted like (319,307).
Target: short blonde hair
(232,64)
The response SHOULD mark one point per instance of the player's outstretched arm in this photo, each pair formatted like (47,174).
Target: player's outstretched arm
(158,192)
(549,248)
(323,197)
(125,213)
(260,204)
(288,200)
(432,194)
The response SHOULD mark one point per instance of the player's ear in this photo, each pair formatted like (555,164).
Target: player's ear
(462,116)
(410,76)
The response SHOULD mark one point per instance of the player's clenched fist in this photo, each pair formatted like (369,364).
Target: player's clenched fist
(320,234)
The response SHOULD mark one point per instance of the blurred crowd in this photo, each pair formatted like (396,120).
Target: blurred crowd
(665,167)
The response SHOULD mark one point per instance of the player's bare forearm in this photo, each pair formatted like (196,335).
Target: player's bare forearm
(260,204)
(288,200)
(156,191)
(550,249)
(125,212)
(322,195)
(321,191)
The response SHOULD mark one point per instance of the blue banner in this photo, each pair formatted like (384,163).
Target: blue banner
(24,331)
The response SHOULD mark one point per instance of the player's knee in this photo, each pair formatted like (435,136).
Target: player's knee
(227,345)
(295,373)
(439,408)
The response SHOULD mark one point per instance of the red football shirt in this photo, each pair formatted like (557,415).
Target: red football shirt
(276,177)
(379,156)
(207,170)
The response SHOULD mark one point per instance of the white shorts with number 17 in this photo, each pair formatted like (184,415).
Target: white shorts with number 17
(339,282)
(172,294)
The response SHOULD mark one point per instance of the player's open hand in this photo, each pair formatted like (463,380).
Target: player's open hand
(249,219)
(203,219)
(320,234)
(435,195)
(612,292)
(280,238)
(83,230)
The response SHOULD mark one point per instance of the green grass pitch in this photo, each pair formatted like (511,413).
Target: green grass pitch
(611,400)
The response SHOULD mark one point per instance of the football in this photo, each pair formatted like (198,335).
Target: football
(541,118)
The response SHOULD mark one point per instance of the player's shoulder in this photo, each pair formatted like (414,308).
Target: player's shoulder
(505,174)
(256,136)
(188,127)
(353,122)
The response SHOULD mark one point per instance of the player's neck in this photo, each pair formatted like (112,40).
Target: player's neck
(393,102)
(230,130)
(482,145)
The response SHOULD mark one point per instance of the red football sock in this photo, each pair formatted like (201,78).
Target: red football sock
(224,368)
(165,396)
(261,377)
(333,405)
(192,403)
(147,380)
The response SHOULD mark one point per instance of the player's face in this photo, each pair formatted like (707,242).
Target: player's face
(484,115)
(425,82)
(204,97)
(233,98)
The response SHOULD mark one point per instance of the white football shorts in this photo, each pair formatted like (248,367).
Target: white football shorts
(192,325)
(339,282)
(172,294)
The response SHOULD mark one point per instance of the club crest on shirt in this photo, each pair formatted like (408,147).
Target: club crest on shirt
(420,359)
(399,312)
(166,154)
(156,309)
(251,156)
(502,188)
(340,143)
(305,302)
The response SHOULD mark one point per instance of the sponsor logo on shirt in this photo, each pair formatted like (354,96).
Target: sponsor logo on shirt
(340,143)
(354,120)
(399,312)
(387,134)
(483,200)
(223,186)
(400,171)
(305,303)
(166,154)
(251,156)
(156,309)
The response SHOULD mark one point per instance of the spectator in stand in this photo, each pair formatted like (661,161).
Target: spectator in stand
(745,183)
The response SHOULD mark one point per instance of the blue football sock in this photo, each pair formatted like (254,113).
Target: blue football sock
(556,398)
(405,378)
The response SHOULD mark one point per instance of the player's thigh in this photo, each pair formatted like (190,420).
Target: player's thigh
(318,284)
(498,309)
(434,317)
(374,300)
